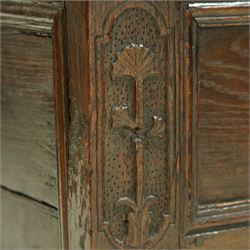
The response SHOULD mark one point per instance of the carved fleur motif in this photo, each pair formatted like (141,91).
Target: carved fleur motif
(122,119)
(137,62)
(139,219)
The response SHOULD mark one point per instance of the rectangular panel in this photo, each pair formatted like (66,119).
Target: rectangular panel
(133,121)
(223,114)
(215,159)
(134,115)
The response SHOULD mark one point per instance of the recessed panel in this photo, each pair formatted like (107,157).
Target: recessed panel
(223,135)
(135,110)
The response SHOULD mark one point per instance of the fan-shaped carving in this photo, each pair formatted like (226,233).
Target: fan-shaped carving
(136,61)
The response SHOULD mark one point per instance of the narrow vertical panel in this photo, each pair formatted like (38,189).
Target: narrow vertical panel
(78,171)
(135,118)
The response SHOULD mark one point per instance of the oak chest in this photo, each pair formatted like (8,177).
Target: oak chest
(125,124)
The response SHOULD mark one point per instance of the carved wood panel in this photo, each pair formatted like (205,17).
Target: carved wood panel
(138,95)
(132,74)
(215,197)
(134,141)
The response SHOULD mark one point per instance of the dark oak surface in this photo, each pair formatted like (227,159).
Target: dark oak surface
(132,103)
(215,197)
(126,123)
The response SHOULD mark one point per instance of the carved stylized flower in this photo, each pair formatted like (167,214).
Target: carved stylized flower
(136,61)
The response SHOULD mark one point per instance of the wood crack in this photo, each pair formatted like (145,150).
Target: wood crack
(40,202)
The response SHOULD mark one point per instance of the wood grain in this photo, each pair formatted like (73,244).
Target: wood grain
(28,117)
(223,114)
(79,171)
(46,66)
(27,224)
(61,118)
(214,108)
(51,61)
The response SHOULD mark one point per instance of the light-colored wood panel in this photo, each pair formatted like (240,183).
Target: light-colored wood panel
(27,224)
(28,161)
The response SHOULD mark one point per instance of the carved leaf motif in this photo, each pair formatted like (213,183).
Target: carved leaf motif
(158,128)
(139,220)
(136,61)
(121,118)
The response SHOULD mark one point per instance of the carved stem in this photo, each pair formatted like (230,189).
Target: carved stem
(139,102)
(139,142)
(139,172)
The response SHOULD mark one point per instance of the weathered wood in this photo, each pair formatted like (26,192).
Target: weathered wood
(30,16)
(79,172)
(61,117)
(28,117)
(44,75)
(27,224)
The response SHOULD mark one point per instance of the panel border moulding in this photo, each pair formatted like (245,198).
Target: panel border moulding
(121,120)
(198,220)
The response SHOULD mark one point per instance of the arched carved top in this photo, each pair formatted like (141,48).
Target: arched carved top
(134,166)
(149,7)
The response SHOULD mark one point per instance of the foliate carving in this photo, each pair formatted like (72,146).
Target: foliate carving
(133,161)
(137,62)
